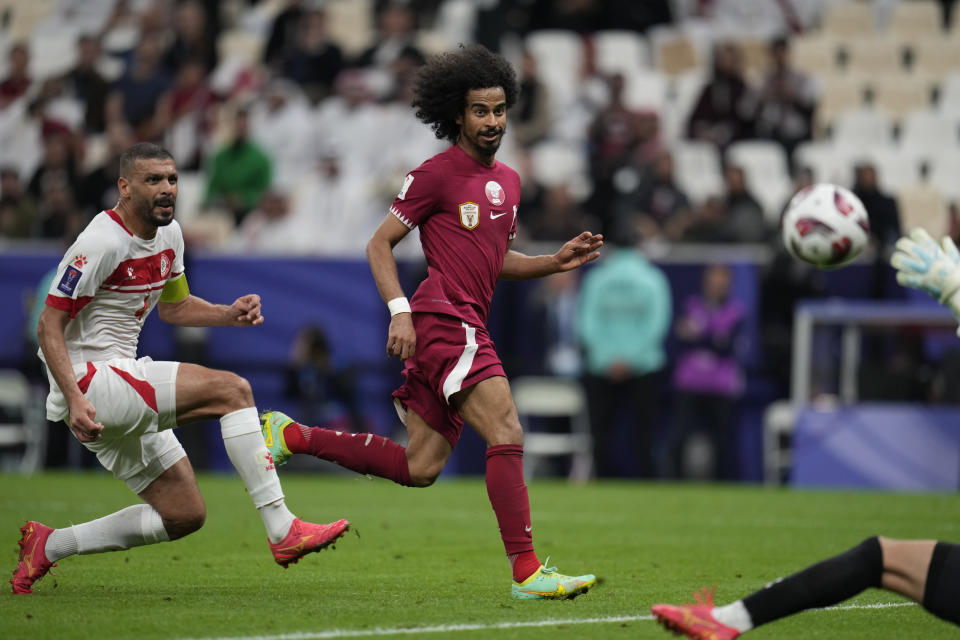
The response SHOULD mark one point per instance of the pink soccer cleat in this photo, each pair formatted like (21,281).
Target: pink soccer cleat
(694,620)
(306,537)
(33,563)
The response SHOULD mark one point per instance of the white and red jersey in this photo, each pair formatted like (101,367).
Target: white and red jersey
(467,214)
(109,281)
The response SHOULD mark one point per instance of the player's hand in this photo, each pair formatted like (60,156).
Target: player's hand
(245,311)
(401,338)
(579,251)
(923,264)
(83,420)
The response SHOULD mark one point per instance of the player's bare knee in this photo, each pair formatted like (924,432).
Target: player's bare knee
(424,474)
(184,523)
(238,394)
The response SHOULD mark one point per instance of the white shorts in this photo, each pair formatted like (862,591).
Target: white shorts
(136,404)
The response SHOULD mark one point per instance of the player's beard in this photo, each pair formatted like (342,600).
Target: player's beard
(148,210)
(488,149)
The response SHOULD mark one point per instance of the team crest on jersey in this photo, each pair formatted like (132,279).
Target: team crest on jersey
(469,214)
(494,193)
(164,266)
(80,261)
(69,281)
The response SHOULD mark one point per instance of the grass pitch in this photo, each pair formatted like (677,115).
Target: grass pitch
(428,563)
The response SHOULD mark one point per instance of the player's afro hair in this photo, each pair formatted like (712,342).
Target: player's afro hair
(141,151)
(442,85)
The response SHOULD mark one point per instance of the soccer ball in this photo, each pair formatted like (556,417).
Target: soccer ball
(825,225)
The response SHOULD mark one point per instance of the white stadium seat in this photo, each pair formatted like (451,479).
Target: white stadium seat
(697,168)
(764,165)
(621,51)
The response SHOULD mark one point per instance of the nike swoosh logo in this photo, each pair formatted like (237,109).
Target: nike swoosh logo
(494,217)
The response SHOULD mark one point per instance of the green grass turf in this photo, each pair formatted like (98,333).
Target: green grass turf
(432,557)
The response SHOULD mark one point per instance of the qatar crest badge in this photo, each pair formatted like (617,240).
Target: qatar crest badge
(469,214)
(494,193)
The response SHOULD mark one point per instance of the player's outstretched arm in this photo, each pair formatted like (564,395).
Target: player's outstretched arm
(401,337)
(923,264)
(193,311)
(83,415)
(574,253)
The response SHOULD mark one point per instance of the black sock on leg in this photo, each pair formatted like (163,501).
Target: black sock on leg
(828,582)
(941,596)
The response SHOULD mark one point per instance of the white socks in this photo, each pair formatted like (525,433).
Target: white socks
(131,527)
(734,615)
(243,440)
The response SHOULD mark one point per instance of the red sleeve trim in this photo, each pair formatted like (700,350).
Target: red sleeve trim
(69,305)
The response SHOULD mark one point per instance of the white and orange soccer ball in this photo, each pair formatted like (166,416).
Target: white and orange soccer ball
(825,225)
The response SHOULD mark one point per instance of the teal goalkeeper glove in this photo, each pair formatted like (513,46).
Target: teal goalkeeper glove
(922,264)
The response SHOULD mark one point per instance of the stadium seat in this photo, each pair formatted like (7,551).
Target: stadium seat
(645,90)
(697,169)
(764,165)
(559,56)
(948,101)
(943,169)
(862,128)
(827,162)
(925,129)
(901,94)
(848,19)
(243,45)
(621,51)
(917,18)
(935,55)
(555,162)
(23,432)
(682,93)
(549,397)
(837,93)
(756,57)
(922,205)
(675,54)
(815,54)
(873,55)
(350,24)
(896,169)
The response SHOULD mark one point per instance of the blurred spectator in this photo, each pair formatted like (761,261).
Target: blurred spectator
(58,214)
(623,319)
(881,208)
(18,209)
(708,377)
(283,124)
(98,189)
(785,102)
(561,216)
(554,303)
(283,34)
(326,392)
(614,138)
(722,113)
(744,214)
(239,173)
(85,83)
(58,167)
(141,89)
(17,81)
(312,61)
(736,217)
(530,116)
(345,120)
(658,208)
(189,115)
(271,228)
(195,39)
(395,43)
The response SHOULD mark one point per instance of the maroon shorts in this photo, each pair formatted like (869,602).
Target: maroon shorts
(451,355)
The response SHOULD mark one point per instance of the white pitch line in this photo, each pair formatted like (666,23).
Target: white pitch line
(442,628)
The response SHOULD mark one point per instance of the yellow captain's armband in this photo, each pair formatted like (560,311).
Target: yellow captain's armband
(176,289)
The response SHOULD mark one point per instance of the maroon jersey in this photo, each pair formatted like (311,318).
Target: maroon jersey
(467,214)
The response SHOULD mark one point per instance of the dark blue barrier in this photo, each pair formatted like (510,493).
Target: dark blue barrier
(340,296)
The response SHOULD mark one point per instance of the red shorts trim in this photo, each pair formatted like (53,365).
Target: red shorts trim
(452,355)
